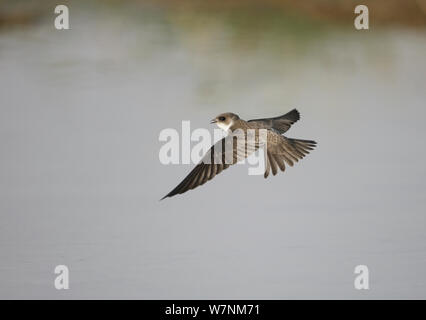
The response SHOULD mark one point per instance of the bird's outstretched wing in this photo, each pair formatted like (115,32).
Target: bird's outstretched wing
(281,151)
(221,155)
(280,124)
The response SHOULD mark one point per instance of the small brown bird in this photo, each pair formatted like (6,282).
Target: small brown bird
(279,150)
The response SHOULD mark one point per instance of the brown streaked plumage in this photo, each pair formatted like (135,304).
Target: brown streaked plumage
(280,150)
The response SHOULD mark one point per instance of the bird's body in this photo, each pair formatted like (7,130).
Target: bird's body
(264,133)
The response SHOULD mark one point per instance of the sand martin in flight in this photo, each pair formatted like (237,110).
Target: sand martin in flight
(278,149)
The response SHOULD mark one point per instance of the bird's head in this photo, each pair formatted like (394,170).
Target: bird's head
(225,120)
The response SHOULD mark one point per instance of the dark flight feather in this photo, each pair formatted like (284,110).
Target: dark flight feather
(209,166)
(281,150)
(280,124)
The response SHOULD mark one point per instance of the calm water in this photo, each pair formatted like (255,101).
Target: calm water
(80,179)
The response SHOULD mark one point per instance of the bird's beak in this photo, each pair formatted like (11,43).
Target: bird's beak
(213,121)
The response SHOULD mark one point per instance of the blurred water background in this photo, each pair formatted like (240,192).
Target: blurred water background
(80,179)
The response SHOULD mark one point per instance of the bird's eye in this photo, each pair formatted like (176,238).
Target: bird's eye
(221,118)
